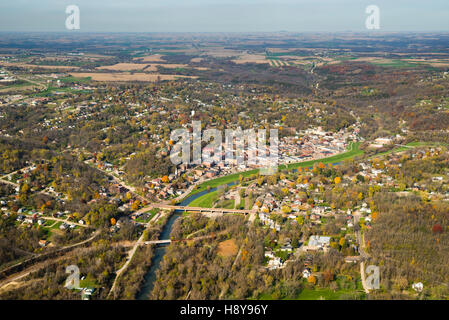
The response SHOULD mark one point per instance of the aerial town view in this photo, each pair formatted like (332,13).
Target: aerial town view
(244,163)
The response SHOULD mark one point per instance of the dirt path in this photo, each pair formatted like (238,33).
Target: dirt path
(16,278)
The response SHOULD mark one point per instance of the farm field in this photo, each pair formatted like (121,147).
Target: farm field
(126,76)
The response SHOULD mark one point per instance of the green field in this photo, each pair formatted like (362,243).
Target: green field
(408,146)
(325,294)
(320,294)
(227,204)
(353,152)
(152,213)
(89,282)
(396,64)
(205,201)
(71,79)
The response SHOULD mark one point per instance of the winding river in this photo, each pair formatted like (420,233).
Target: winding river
(150,276)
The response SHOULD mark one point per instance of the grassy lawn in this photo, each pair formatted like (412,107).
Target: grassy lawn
(55,225)
(227,204)
(205,201)
(17,84)
(71,79)
(88,283)
(151,213)
(242,203)
(49,223)
(323,294)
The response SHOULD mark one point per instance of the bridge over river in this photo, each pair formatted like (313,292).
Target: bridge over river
(199,209)
(158,242)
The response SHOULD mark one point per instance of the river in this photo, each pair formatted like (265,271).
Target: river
(150,276)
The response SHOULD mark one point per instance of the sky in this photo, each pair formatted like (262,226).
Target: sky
(224,15)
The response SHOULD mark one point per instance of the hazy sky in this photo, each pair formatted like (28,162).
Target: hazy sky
(224,15)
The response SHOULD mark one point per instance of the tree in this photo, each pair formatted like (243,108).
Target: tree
(135,206)
(328,276)
(437,228)
(286,209)
(311,279)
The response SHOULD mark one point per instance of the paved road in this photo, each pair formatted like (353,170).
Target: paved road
(363,254)
(129,258)
(14,172)
(15,185)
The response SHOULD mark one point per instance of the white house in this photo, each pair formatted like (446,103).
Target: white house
(306,273)
(418,287)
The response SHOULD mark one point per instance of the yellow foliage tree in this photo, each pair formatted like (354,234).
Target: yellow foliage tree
(286,209)
(135,205)
(311,279)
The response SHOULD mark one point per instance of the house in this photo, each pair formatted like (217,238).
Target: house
(43,243)
(269,254)
(287,247)
(418,287)
(86,293)
(317,243)
(263,217)
(306,273)
(29,220)
(275,263)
